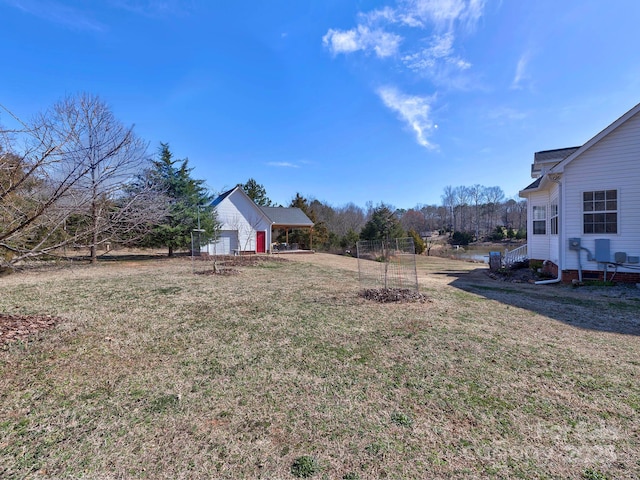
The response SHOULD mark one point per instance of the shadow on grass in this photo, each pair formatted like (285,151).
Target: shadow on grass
(592,308)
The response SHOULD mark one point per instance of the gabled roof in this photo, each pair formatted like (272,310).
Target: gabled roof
(292,217)
(221,197)
(557,160)
(289,217)
(620,121)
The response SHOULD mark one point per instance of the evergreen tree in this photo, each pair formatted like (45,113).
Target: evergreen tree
(189,204)
(418,243)
(256,192)
(383,225)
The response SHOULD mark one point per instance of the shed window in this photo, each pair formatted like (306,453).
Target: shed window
(600,211)
(539,220)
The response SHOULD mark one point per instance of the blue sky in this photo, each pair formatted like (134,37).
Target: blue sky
(343,101)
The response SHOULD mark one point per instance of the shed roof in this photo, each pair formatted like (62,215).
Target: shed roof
(292,217)
(222,196)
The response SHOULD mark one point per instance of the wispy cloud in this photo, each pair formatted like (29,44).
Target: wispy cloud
(283,164)
(414,110)
(522,75)
(437,58)
(442,13)
(58,13)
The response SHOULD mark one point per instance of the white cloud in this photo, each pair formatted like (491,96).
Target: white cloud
(442,13)
(440,63)
(414,110)
(441,48)
(521,75)
(282,164)
(384,44)
(385,15)
(383,31)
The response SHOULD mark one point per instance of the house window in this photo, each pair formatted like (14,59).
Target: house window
(539,220)
(553,219)
(600,211)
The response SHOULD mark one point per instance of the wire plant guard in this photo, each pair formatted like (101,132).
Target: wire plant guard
(387,264)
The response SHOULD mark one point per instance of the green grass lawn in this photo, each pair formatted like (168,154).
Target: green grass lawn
(283,370)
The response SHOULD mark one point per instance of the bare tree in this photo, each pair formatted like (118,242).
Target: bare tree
(462,197)
(66,180)
(111,155)
(477,195)
(449,202)
(347,218)
(413,219)
(494,198)
(435,217)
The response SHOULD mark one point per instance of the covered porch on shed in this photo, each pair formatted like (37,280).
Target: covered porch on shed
(287,220)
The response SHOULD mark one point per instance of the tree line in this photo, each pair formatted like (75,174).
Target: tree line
(466,214)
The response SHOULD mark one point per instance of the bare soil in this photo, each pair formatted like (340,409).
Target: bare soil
(393,295)
(20,327)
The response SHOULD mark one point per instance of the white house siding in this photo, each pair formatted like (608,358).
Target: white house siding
(611,164)
(226,245)
(538,245)
(237,214)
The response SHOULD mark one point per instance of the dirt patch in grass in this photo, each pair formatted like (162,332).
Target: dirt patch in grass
(240,260)
(20,327)
(393,295)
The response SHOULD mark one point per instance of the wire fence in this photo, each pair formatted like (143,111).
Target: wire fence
(387,264)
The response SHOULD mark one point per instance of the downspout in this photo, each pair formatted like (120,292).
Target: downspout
(556,179)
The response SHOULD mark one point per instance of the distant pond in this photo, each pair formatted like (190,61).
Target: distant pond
(479,253)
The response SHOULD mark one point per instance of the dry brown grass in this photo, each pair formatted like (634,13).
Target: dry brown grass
(159,373)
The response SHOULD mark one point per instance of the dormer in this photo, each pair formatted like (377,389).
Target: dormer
(547,159)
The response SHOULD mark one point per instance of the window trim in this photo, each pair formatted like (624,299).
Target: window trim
(554,215)
(539,221)
(605,207)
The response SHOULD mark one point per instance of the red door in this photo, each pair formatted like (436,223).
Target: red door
(261,240)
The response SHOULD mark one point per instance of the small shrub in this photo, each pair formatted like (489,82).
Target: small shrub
(535,265)
(418,243)
(461,238)
(401,419)
(304,467)
(593,474)
(498,234)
